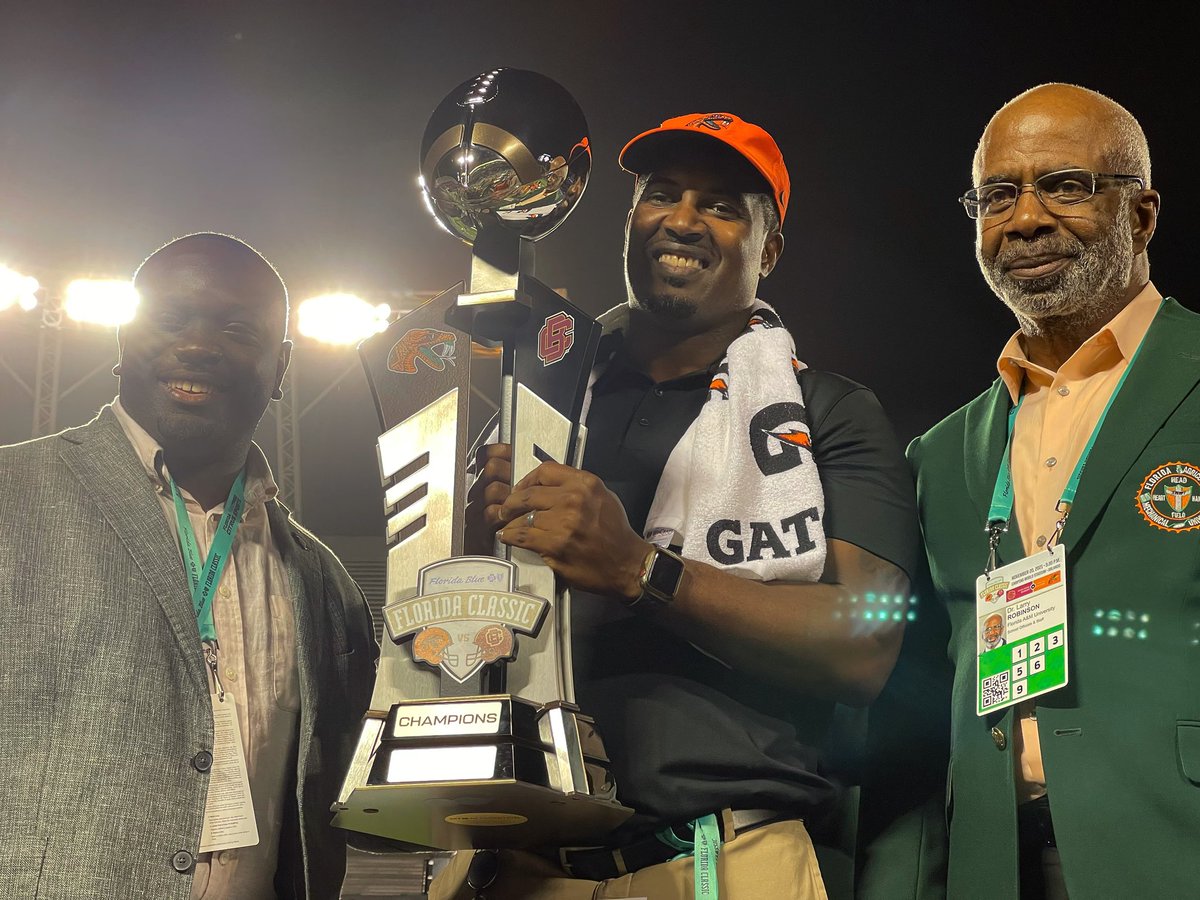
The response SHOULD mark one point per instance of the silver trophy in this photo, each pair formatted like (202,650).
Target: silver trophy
(474,738)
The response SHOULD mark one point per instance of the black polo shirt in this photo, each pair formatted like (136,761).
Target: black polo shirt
(687,734)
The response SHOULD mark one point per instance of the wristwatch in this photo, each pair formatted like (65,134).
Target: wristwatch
(661,575)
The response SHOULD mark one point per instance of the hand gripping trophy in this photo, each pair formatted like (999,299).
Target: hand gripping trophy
(473,738)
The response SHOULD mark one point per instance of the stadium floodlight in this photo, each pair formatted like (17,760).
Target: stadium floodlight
(17,289)
(341,318)
(100,301)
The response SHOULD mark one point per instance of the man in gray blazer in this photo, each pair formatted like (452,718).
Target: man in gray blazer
(183,668)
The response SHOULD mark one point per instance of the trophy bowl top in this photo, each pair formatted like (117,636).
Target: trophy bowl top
(506,148)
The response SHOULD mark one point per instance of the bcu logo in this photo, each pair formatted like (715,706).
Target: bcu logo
(556,338)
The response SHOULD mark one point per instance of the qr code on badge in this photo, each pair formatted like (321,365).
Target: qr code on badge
(994,690)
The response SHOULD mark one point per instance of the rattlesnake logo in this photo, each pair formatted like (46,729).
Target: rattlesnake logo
(713,122)
(433,347)
(431,644)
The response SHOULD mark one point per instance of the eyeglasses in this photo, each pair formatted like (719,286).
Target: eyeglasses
(1054,189)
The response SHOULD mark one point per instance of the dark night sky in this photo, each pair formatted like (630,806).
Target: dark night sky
(296,126)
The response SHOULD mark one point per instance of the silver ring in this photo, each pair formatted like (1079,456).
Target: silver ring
(529,519)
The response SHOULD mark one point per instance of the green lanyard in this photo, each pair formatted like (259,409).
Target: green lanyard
(704,848)
(1000,511)
(205,578)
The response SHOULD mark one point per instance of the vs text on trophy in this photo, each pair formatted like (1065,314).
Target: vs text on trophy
(474,738)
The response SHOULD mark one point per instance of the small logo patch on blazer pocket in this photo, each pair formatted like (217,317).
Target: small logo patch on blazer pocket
(1169,498)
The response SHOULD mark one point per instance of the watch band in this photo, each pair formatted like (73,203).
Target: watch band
(661,575)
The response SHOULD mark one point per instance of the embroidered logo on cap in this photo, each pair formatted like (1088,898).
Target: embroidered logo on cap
(713,122)
(1169,497)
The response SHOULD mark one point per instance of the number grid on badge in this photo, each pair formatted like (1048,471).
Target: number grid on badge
(1023,669)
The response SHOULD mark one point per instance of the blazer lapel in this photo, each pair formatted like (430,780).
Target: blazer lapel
(306,583)
(102,459)
(984,439)
(1164,373)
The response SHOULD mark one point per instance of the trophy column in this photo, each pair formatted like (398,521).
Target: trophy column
(474,739)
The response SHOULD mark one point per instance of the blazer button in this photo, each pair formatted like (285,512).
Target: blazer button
(202,761)
(182,861)
(999,739)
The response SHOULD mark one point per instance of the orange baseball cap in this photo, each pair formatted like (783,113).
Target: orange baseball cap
(748,139)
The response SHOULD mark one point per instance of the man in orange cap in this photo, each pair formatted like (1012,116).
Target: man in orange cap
(738,543)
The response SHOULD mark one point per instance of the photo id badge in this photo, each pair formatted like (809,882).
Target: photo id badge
(228,809)
(1021,630)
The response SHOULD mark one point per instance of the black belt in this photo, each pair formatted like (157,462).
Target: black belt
(601,863)
(1034,823)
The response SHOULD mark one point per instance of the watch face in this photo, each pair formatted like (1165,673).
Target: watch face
(666,571)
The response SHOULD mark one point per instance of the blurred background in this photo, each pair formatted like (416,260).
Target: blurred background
(296,126)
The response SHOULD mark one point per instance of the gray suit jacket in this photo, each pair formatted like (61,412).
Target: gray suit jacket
(103,695)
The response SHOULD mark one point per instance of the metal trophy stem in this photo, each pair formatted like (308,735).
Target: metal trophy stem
(474,738)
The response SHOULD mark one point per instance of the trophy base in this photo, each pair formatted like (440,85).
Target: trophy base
(485,772)
(481,815)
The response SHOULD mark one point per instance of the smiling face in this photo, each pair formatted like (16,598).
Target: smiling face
(993,630)
(207,348)
(697,240)
(1078,260)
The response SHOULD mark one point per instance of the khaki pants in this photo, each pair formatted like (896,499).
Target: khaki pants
(774,862)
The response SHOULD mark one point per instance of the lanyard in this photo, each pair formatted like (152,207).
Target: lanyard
(1000,511)
(704,849)
(206,577)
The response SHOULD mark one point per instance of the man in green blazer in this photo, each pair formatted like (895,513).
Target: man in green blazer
(1091,788)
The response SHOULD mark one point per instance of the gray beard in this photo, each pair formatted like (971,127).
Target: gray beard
(1093,283)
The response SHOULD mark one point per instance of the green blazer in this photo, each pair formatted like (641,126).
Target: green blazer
(1121,741)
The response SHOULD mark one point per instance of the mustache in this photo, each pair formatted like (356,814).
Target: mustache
(1050,244)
